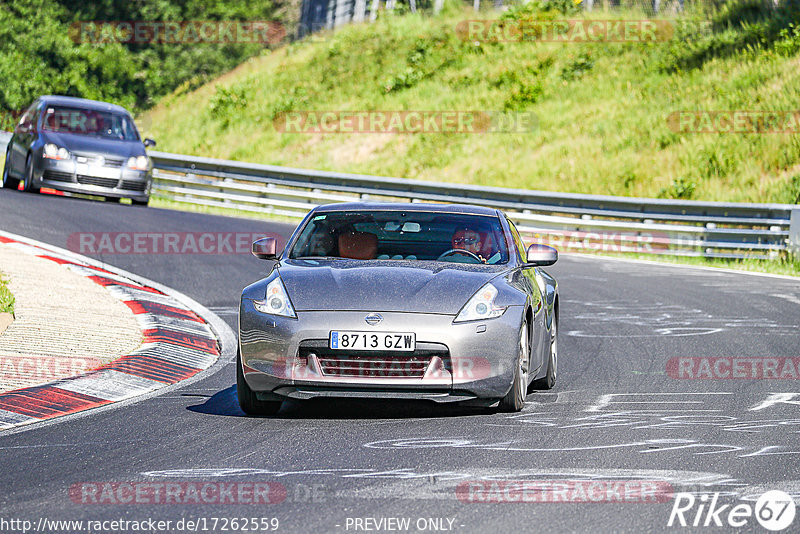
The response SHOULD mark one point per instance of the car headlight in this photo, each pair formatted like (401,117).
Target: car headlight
(138,163)
(480,306)
(277,301)
(52,151)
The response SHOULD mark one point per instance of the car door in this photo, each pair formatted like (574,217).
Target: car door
(24,136)
(531,284)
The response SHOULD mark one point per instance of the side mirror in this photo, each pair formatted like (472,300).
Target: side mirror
(149,142)
(265,248)
(541,255)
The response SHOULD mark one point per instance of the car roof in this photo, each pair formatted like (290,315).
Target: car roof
(82,103)
(417,206)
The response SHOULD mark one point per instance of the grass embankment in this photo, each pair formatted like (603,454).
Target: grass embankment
(6,297)
(602,108)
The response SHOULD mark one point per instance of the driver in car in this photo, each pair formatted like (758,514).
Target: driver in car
(469,240)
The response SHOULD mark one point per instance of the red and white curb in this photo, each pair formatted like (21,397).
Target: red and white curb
(178,342)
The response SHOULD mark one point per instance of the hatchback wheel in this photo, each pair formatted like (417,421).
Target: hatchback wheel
(8,181)
(29,187)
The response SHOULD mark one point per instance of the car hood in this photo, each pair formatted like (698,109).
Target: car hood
(92,144)
(387,286)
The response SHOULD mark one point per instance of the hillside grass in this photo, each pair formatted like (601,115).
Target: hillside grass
(602,108)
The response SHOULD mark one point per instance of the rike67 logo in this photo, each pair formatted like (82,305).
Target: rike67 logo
(774,510)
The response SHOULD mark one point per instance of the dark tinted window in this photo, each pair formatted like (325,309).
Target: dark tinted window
(395,235)
(89,122)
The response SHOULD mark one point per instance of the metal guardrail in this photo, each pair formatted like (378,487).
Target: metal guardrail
(571,222)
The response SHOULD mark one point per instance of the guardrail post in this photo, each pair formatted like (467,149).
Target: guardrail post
(794,232)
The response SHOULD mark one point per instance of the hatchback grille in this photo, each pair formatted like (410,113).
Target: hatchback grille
(94,180)
(57,176)
(109,162)
(133,185)
(94,159)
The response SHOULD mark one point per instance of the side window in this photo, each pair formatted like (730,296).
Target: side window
(28,119)
(517,240)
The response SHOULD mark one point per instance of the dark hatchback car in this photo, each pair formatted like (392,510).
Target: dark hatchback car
(80,146)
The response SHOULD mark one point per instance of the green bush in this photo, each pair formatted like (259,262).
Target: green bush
(41,50)
(679,188)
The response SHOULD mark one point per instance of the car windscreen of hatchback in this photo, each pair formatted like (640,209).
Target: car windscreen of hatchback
(104,124)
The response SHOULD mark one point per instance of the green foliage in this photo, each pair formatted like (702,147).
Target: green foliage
(227,102)
(793,190)
(735,28)
(679,188)
(44,49)
(602,110)
(6,297)
(535,9)
(789,43)
(425,57)
(577,67)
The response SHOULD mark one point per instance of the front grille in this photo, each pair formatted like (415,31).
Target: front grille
(94,159)
(133,185)
(94,180)
(379,364)
(374,366)
(57,176)
(109,162)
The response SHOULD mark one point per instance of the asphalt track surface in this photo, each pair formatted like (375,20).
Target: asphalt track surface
(615,414)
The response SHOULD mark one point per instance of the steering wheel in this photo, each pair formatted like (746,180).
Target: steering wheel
(461,251)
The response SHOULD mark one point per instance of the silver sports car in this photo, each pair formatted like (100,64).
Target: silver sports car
(408,301)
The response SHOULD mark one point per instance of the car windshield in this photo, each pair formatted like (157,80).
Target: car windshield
(397,235)
(89,122)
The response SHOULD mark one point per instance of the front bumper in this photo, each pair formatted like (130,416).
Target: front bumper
(285,357)
(94,179)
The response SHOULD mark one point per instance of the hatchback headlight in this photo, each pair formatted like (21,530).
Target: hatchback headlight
(480,306)
(276,302)
(138,163)
(52,151)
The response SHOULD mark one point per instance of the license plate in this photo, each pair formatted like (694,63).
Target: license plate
(395,341)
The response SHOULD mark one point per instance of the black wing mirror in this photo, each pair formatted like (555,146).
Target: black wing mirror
(265,248)
(541,255)
(149,142)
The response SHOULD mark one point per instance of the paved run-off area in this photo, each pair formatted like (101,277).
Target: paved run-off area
(64,324)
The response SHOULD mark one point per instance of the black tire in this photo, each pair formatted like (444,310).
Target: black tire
(247,398)
(514,400)
(8,181)
(548,381)
(29,187)
(142,203)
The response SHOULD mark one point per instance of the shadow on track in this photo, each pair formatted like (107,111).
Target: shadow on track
(225,403)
